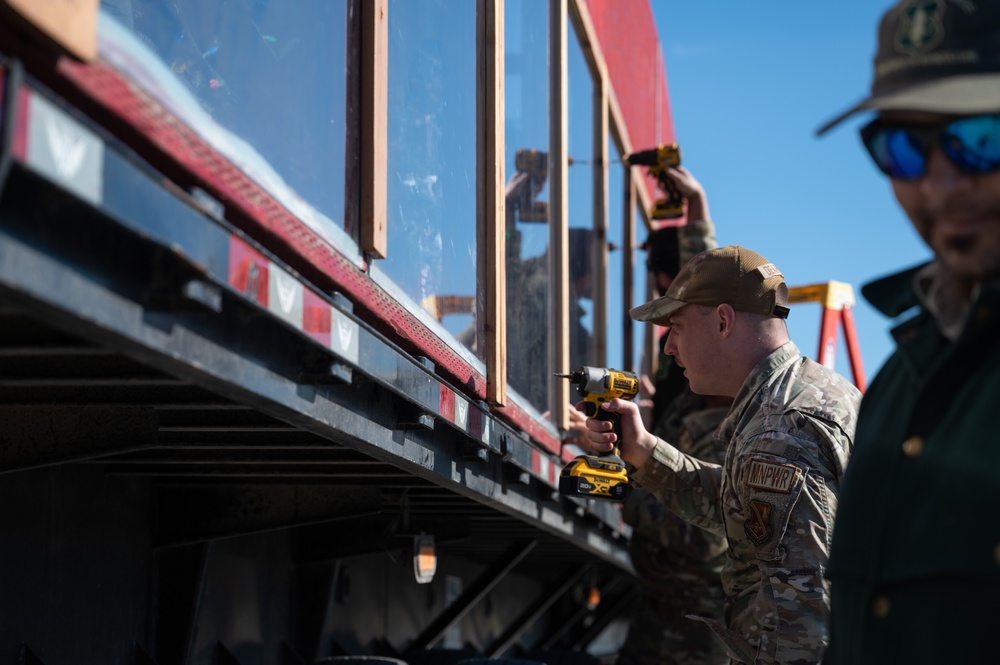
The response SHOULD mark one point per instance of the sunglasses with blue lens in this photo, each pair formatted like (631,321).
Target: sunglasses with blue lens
(900,151)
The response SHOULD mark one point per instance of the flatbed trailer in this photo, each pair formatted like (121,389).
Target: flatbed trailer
(226,439)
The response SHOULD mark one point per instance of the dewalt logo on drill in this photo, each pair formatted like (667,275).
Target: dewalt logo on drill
(622,385)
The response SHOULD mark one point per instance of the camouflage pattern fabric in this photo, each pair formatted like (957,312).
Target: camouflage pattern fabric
(695,237)
(790,433)
(677,563)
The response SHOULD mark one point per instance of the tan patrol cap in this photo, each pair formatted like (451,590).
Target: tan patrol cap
(731,275)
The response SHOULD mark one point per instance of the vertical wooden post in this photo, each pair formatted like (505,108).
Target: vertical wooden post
(491,267)
(629,245)
(600,260)
(558,215)
(374,87)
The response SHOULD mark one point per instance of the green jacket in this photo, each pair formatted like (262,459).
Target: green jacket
(915,560)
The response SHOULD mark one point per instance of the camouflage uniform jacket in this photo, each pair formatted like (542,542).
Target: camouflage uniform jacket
(790,432)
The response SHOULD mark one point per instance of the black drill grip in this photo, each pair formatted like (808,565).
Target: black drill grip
(673,204)
(616,424)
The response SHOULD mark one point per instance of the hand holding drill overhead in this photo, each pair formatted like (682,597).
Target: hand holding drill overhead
(675,181)
(659,160)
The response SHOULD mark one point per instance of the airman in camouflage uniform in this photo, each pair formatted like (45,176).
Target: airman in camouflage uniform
(789,434)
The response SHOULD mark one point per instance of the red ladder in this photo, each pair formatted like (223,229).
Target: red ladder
(837,299)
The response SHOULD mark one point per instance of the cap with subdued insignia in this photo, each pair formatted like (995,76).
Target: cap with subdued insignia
(733,275)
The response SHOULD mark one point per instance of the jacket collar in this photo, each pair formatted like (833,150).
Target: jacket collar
(759,375)
(894,294)
(930,286)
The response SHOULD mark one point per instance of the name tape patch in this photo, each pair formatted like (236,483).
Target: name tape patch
(770,476)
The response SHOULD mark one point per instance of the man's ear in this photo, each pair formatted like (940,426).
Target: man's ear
(725,317)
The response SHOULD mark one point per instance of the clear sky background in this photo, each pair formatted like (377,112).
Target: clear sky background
(749,83)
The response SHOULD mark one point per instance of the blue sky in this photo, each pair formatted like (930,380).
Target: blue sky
(749,84)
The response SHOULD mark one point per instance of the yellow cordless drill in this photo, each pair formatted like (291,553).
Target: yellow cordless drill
(599,476)
(659,159)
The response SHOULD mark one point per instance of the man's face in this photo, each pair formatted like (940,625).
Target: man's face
(956,213)
(692,342)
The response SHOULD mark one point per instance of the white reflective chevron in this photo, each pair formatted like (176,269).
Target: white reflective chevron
(67,147)
(64,150)
(284,295)
(345,341)
(286,291)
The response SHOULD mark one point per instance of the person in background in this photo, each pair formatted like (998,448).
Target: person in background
(667,249)
(528,287)
(915,561)
(677,564)
(789,435)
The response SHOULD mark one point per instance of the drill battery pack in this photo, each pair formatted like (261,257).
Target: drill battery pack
(595,478)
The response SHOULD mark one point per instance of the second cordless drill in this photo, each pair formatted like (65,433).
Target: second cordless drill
(658,160)
(599,476)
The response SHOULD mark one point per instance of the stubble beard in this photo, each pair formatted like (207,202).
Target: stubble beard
(972,257)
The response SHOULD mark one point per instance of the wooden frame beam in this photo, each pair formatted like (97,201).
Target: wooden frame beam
(558,215)
(601,223)
(629,245)
(374,133)
(491,271)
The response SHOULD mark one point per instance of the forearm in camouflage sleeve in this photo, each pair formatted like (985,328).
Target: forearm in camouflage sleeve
(688,486)
(695,237)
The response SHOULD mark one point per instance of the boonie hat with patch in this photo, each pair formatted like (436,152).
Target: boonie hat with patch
(733,275)
(939,56)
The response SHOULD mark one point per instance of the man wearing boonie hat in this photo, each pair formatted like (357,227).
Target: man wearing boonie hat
(915,560)
(789,434)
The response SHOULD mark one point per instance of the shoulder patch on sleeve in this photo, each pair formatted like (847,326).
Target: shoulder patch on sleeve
(770,476)
(758,525)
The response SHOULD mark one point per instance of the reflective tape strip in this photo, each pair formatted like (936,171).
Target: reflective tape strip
(284,296)
(280,292)
(316,317)
(248,271)
(59,147)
